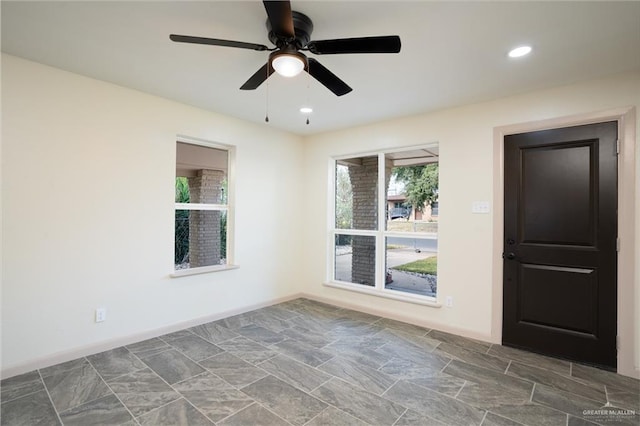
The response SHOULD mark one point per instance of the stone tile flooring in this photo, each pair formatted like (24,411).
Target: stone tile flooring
(308,363)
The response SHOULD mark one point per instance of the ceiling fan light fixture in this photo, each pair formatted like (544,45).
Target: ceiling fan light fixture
(288,64)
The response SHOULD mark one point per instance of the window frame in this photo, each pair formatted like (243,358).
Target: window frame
(380,233)
(228,208)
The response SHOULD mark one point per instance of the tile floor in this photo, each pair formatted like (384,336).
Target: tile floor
(307,363)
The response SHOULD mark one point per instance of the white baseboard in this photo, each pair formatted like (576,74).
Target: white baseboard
(106,345)
(79,352)
(404,318)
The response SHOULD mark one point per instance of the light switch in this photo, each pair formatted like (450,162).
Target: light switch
(481,207)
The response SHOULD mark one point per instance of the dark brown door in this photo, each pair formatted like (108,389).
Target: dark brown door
(560,229)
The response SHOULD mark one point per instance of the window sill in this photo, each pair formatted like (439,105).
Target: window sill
(201,270)
(387,294)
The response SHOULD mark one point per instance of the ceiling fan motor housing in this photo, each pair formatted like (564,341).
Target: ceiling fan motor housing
(303,27)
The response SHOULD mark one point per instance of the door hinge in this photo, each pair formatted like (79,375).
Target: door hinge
(617,244)
(617,146)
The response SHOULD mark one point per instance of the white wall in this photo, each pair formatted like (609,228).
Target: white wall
(467,251)
(88,187)
(87,210)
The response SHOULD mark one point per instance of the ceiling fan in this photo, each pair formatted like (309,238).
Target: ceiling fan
(290,32)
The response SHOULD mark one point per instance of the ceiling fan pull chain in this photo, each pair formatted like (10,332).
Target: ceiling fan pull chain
(266,114)
(308,93)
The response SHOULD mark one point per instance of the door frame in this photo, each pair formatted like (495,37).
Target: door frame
(628,272)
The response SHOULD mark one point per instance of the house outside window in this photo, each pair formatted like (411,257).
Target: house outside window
(203,222)
(384,238)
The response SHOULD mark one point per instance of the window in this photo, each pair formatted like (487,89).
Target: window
(202,208)
(385,223)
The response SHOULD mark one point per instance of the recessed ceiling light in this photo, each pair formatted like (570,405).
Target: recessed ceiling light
(520,51)
(306,110)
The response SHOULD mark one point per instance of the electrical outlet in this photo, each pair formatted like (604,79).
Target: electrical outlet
(101,314)
(448,301)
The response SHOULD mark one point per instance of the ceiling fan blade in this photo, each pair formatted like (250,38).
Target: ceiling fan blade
(379,44)
(280,17)
(327,78)
(217,42)
(258,78)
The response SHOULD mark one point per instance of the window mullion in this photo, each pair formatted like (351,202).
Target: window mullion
(201,206)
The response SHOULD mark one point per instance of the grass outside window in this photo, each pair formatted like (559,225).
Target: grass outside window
(427,266)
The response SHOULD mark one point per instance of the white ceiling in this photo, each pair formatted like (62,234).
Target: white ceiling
(453,53)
